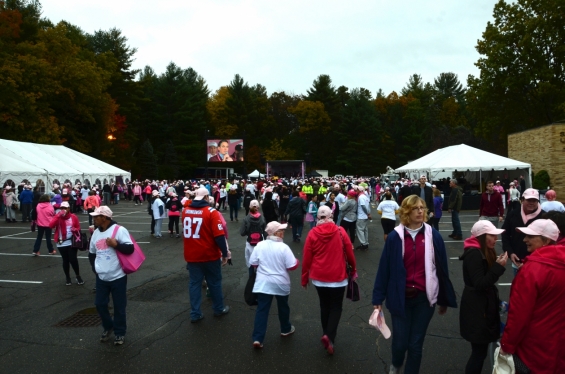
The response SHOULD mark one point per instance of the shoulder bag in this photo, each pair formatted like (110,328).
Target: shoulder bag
(353,292)
(130,263)
(79,241)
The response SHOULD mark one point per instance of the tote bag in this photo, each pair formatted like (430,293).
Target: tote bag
(130,263)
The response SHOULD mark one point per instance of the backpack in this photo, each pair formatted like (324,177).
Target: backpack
(255,234)
(174,206)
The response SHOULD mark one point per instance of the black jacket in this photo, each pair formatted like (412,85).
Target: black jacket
(270,207)
(296,208)
(429,196)
(479,319)
(254,223)
(512,240)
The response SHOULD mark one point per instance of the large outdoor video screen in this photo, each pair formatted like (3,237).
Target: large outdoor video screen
(224,150)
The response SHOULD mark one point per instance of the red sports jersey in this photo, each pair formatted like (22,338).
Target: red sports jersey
(200,227)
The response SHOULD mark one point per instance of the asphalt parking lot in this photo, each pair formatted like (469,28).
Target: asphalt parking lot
(160,337)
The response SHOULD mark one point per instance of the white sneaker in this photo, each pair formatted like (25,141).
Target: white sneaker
(394,370)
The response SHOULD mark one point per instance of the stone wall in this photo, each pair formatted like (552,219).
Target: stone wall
(543,148)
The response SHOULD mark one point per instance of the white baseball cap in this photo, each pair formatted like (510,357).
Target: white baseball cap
(485,227)
(201,193)
(543,227)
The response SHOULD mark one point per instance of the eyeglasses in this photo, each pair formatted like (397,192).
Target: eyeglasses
(418,208)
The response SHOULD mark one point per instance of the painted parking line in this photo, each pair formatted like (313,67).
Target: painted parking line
(505,284)
(30,255)
(454,258)
(13,281)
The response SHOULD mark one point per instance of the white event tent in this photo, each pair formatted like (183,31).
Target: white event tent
(30,161)
(255,174)
(469,161)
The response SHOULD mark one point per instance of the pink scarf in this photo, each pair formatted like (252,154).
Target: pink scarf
(432,281)
(527,217)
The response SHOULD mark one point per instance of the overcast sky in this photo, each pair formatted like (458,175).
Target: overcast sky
(285,45)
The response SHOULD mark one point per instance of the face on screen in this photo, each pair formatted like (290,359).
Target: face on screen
(224,148)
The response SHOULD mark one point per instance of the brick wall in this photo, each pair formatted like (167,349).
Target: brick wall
(543,148)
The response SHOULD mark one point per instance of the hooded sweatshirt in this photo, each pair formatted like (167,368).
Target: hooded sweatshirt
(535,325)
(325,252)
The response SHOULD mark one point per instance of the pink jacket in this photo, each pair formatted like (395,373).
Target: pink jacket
(45,213)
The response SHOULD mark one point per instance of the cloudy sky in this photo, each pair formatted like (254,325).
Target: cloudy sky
(285,45)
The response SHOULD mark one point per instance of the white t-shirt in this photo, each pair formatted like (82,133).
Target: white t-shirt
(107,264)
(363,200)
(155,208)
(340,198)
(388,207)
(66,236)
(274,258)
(548,206)
(223,192)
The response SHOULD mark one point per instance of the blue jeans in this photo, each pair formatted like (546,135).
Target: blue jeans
(262,315)
(118,290)
(297,226)
(212,270)
(456,223)
(40,231)
(116,198)
(158,225)
(408,333)
(312,224)
(233,211)
(106,198)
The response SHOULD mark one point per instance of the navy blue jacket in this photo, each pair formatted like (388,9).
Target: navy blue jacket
(26,197)
(390,282)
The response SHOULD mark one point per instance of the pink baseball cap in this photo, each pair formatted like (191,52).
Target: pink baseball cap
(201,193)
(102,211)
(352,192)
(485,227)
(531,193)
(274,226)
(543,227)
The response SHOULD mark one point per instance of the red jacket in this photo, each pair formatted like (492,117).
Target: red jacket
(55,225)
(492,208)
(323,258)
(535,326)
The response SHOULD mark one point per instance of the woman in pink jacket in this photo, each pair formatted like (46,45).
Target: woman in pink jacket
(66,225)
(43,214)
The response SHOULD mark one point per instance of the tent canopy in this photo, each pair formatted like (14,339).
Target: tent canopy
(21,160)
(463,158)
(255,174)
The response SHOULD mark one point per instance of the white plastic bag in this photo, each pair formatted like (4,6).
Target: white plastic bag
(503,364)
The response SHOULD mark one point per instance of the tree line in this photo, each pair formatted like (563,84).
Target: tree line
(61,85)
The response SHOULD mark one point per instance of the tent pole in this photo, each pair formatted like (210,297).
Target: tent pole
(480,181)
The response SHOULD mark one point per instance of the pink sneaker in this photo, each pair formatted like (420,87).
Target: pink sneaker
(327,344)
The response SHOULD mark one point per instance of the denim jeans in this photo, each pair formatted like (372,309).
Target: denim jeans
(312,224)
(118,290)
(212,270)
(116,198)
(331,305)
(106,198)
(26,212)
(233,211)
(408,333)
(456,223)
(297,226)
(40,231)
(262,315)
(158,224)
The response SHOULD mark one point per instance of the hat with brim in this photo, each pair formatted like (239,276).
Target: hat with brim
(102,211)
(377,320)
(485,227)
(201,193)
(274,226)
(541,227)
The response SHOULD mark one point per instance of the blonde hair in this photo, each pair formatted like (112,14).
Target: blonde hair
(406,208)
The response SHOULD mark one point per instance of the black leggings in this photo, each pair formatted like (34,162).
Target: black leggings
(136,199)
(478,355)
(69,256)
(349,226)
(388,225)
(173,220)
(331,301)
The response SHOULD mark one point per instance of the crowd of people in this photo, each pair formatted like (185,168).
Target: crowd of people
(412,278)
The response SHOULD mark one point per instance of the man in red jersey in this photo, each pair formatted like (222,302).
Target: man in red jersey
(205,252)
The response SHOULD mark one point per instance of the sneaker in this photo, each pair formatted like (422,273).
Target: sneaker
(451,235)
(68,282)
(79,280)
(119,340)
(257,344)
(52,253)
(105,335)
(292,329)
(226,310)
(394,370)
(457,237)
(197,319)
(36,254)
(327,344)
